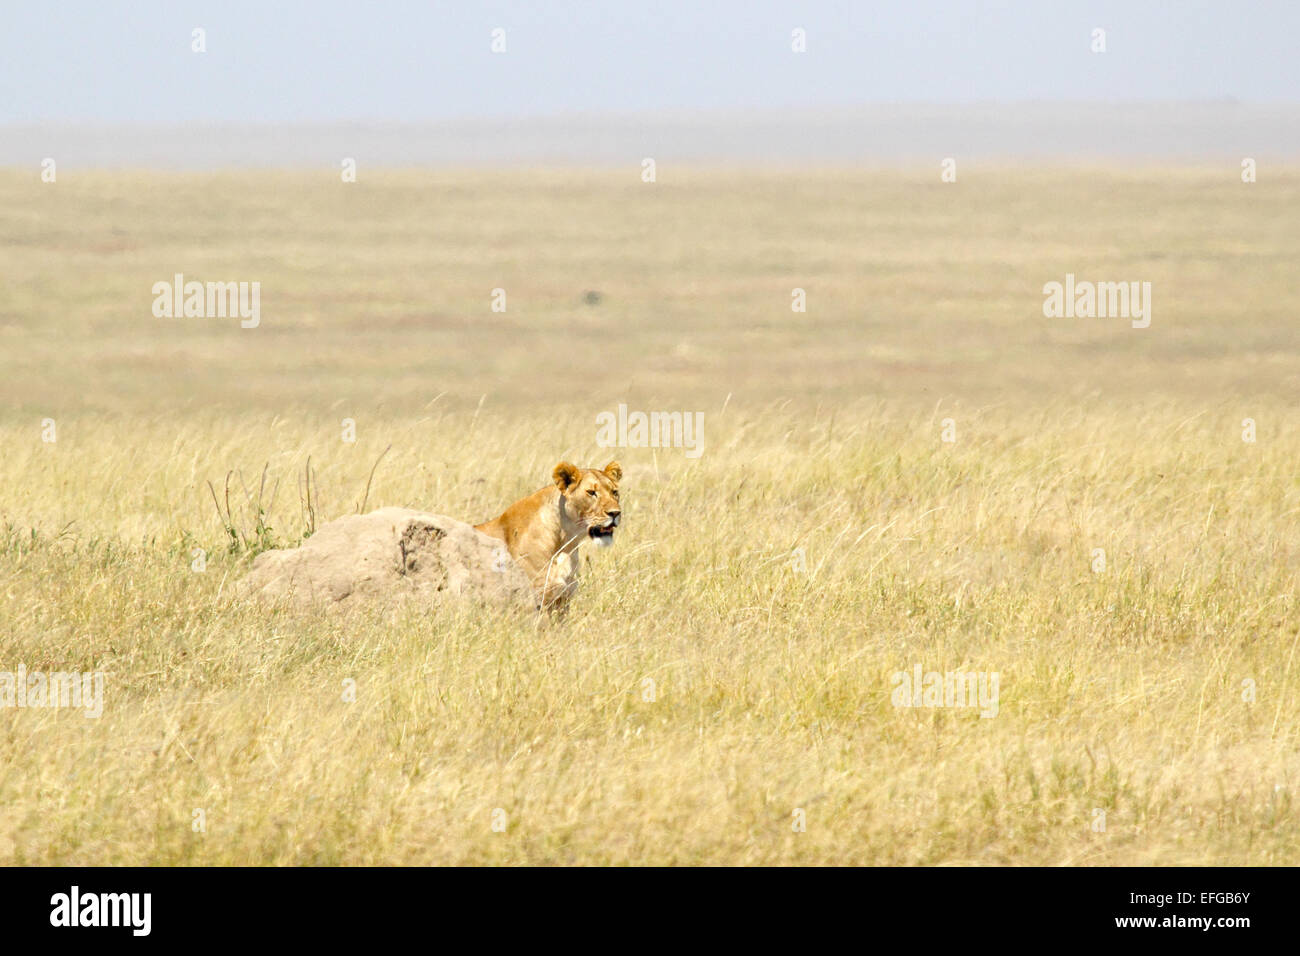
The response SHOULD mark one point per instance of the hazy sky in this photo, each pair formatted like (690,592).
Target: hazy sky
(90,60)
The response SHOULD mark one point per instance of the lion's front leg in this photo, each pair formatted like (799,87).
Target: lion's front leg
(558,584)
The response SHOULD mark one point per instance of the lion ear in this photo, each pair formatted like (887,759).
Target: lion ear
(614,470)
(565,475)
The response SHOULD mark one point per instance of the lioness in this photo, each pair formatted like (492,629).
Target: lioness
(542,532)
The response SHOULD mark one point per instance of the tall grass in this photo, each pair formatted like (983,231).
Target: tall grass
(732,659)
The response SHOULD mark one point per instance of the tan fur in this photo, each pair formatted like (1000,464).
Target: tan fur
(543,531)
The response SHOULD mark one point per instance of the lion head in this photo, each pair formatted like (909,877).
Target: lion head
(590,500)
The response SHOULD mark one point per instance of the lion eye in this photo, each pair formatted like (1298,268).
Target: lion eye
(615,494)
(592,492)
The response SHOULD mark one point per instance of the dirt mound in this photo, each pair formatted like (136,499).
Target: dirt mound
(391,553)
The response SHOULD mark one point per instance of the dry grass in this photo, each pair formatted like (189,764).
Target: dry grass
(1120,690)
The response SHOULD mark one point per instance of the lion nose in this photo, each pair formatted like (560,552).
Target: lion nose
(614,514)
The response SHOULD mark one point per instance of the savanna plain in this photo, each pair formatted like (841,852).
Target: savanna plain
(1098,531)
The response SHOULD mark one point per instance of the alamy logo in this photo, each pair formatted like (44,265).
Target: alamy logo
(36,689)
(654,430)
(103,909)
(208,300)
(948,689)
(1098,300)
